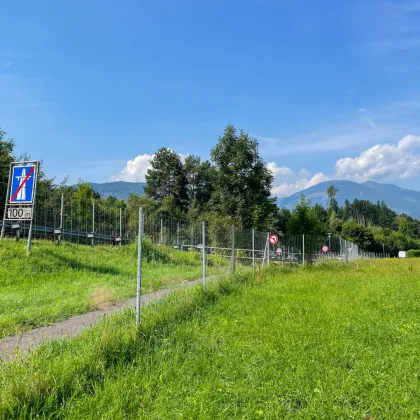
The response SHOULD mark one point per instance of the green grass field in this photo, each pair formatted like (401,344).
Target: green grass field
(56,282)
(323,342)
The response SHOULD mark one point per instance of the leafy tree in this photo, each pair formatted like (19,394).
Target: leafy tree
(199,180)
(242,183)
(335,224)
(166,181)
(320,213)
(332,192)
(360,235)
(303,220)
(6,158)
(282,219)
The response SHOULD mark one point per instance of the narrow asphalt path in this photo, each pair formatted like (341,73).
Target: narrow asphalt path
(16,345)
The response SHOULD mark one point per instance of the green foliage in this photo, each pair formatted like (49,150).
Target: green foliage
(199,176)
(303,219)
(6,156)
(166,182)
(242,183)
(413,253)
(332,192)
(358,234)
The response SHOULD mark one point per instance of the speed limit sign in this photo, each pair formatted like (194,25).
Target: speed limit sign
(325,248)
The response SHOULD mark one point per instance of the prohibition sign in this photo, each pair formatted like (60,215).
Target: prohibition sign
(273,239)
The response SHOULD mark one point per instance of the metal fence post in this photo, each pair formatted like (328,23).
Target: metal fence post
(253,249)
(139,265)
(203,224)
(233,249)
(161,231)
(303,249)
(28,247)
(120,226)
(177,236)
(60,232)
(268,248)
(62,212)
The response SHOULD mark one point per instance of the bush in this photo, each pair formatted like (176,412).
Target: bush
(413,253)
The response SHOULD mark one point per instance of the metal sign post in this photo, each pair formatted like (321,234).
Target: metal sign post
(21,196)
(139,265)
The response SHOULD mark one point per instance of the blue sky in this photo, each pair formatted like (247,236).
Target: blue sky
(329,89)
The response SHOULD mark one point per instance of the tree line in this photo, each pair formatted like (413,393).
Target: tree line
(233,187)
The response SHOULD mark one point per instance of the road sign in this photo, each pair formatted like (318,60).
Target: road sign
(325,248)
(22,184)
(273,239)
(349,249)
(19,213)
(402,254)
(279,251)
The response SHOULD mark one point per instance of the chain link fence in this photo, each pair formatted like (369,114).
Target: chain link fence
(85,257)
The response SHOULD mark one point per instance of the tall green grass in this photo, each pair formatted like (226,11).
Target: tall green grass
(56,282)
(323,342)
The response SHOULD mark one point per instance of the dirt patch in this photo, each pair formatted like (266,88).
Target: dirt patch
(103,297)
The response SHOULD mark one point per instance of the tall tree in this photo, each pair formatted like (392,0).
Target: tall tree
(242,183)
(199,181)
(166,182)
(332,192)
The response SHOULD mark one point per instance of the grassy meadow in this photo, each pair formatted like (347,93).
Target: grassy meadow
(56,282)
(327,341)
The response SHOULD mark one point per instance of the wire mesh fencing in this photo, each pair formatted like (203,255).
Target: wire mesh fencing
(85,256)
(82,259)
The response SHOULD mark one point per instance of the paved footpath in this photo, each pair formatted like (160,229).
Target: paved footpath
(12,346)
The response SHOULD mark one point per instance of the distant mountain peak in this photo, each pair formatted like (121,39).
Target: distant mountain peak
(398,199)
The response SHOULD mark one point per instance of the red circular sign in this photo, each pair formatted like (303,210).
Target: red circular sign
(279,251)
(273,239)
(325,248)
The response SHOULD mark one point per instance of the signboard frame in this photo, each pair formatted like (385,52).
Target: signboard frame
(21,204)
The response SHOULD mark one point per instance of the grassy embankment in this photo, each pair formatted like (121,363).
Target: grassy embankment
(56,282)
(323,342)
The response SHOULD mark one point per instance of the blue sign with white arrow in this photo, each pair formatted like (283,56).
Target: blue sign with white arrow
(22,184)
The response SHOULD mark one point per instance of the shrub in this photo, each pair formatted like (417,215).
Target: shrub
(413,253)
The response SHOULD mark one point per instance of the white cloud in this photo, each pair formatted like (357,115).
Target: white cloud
(383,162)
(287,182)
(135,170)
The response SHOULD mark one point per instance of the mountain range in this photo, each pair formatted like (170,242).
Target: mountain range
(399,199)
(118,189)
